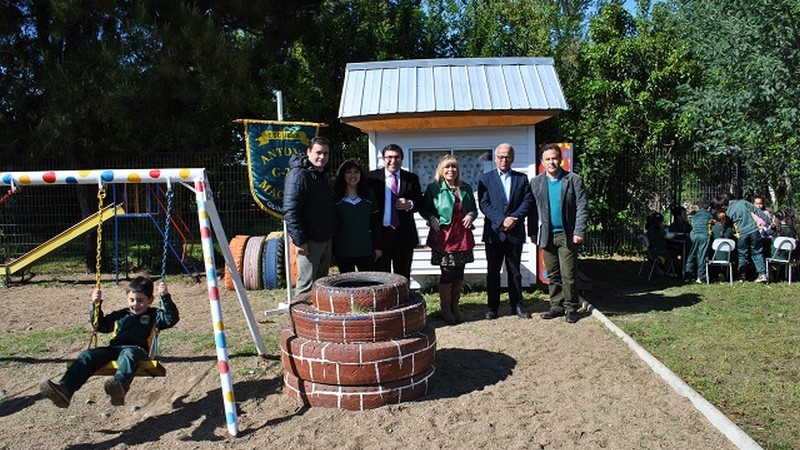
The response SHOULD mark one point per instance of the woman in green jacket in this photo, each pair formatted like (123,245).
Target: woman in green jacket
(450,209)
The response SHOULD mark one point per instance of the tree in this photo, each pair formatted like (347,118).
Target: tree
(354,31)
(624,116)
(746,108)
(81,79)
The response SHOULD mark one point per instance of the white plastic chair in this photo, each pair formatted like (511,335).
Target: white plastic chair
(723,250)
(782,249)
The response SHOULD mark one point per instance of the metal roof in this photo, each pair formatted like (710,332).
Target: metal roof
(450,85)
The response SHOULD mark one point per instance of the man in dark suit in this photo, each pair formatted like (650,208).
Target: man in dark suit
(505,199)
(399,196)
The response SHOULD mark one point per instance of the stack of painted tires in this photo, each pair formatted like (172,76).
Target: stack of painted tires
(358,341)
(259,260)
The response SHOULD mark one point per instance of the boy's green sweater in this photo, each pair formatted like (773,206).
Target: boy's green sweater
(741,213)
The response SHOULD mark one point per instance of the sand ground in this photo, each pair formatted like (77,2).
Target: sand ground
(506,384)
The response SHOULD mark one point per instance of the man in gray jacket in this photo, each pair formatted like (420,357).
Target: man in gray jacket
(557,225)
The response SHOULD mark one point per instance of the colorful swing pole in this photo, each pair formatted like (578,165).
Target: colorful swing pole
(216,310)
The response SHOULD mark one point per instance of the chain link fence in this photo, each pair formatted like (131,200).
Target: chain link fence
(133,242)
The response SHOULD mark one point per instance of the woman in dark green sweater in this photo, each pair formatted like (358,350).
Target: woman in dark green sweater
(358,216)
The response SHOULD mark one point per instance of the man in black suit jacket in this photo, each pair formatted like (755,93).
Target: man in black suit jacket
(399,238)
(504,198)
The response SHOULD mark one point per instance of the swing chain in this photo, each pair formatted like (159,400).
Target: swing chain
(101,194)
(170,194)
(153,353)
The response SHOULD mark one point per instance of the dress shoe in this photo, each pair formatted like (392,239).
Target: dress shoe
(572,317)
(551,314)
(490,315)
(520,312)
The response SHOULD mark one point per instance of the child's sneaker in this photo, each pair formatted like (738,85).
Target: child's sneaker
(115,391)
(57,393)
(762,278)
(698,281)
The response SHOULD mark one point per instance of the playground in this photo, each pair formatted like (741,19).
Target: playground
(507,383)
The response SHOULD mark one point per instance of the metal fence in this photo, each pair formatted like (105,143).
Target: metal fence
(37,213)
(683,181)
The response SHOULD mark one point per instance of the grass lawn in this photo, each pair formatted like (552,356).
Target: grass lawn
(738,346)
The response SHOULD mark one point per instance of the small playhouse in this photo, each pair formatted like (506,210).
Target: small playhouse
(465,107)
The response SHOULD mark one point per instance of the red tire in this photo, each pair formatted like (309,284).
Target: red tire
(237,247)
(395,323)
(358,398)
(358,364)
(359,292)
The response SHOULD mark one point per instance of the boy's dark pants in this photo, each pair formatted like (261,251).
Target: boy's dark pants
(749,247)
(89,361)
(697,256)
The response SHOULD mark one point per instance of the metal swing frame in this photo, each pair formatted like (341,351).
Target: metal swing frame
(210,227)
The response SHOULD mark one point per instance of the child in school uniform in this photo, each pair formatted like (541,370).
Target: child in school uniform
(748,241)
(701,240)
(722,228)
(133,331)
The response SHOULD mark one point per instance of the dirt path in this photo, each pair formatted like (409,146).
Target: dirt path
(508,383)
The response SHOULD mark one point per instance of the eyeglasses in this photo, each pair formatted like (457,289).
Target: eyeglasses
(504,157)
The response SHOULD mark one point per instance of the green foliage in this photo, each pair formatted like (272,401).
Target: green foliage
(625,119)
(84,79)
(746,107)
(506,28)
(659,99)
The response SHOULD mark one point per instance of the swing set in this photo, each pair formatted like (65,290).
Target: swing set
(209,225)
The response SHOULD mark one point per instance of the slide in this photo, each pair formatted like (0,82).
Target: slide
(71,233)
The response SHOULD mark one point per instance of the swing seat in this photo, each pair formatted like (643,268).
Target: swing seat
(148,368)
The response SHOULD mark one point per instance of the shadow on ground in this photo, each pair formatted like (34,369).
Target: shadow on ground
(185,416)
(615,288)
(461,371)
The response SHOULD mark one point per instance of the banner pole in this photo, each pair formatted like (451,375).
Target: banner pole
(286,246)
(287,262)
(279,104)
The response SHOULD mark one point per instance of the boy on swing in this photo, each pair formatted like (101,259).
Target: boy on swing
(133,331)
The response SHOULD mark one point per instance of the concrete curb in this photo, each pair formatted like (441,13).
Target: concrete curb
(735,434)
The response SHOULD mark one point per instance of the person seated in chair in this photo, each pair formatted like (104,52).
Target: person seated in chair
(657,237)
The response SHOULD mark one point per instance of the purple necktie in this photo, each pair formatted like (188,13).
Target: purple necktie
(394,218)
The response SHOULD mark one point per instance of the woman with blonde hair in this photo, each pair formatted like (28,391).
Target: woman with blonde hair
(449,207)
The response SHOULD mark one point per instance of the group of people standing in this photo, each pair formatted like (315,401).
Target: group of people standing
(367,222)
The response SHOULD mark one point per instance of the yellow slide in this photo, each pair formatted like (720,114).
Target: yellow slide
(71,233)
